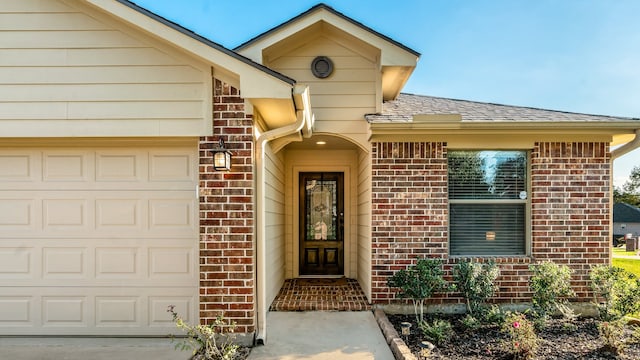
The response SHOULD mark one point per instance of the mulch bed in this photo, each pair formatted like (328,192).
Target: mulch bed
(556,342)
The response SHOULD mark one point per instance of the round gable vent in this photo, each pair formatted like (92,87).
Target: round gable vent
(321,67)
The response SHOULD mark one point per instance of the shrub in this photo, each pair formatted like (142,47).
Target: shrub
(438,332)
(420,282)
(522,341)
(207,342)
(495,315)
(550,283)
(470,323)
(618,289)
(612,333)
(476,282)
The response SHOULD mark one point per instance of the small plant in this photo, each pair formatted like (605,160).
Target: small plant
(618,289)
(551,284)
(438,332)
(523,342)
(612,333)
(495,315)
(420,282)
(569,317)
(470,323)
(476,282)
(207,342)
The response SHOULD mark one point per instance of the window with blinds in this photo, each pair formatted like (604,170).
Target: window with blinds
(487,202)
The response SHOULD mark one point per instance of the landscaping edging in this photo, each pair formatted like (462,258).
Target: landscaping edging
(399,349)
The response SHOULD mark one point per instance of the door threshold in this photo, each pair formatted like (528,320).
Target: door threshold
(320,276)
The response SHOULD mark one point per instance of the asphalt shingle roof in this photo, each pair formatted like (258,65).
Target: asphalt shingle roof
(625,213)
(403,108)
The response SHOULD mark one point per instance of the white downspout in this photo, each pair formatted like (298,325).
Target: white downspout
(303,116)
(628,147)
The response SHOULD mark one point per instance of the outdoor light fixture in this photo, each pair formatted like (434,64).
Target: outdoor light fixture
(406,330)
(425,349)
(221,157)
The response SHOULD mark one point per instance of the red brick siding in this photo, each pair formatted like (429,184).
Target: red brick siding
(409,208)
(226,216)
(569,206)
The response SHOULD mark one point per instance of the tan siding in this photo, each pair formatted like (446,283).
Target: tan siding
(340,101)
(364,222)
(64,63)
(274,218)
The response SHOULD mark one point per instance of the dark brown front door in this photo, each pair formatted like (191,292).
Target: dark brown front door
(321,224)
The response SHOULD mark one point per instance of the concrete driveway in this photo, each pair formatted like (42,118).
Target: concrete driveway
(291,335)
(89,349)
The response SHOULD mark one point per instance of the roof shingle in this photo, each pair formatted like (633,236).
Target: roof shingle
(406,106)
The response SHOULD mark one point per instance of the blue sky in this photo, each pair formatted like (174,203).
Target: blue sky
(571,55)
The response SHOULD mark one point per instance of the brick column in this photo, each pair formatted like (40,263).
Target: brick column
(226,216)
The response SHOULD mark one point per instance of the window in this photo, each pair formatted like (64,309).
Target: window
(487,202)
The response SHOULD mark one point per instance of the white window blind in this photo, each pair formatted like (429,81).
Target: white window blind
(487,202)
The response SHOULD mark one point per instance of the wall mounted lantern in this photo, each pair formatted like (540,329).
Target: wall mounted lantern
(221,157)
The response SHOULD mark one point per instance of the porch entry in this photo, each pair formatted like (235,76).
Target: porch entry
(321,223)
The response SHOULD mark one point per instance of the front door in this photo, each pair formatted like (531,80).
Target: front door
(321,223)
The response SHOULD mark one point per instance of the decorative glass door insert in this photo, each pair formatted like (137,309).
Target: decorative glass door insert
(321,224)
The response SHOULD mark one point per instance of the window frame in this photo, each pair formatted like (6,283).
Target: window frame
(527,205)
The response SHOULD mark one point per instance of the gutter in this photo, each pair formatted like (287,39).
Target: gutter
(628,147)
(303,117)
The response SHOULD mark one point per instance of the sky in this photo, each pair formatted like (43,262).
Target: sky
(569,55)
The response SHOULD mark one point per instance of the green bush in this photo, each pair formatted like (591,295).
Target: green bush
(551,285)
(420,282)
(207,342)
(476,282)
(522,340)
(470,323)
(618,289)
(438,332)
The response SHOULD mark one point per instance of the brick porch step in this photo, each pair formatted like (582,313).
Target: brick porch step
(320,295)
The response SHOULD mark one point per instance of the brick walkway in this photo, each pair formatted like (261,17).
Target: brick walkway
(320,295)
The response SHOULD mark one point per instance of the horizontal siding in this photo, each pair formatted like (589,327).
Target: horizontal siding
(340,101)
(64,63)
(275,224)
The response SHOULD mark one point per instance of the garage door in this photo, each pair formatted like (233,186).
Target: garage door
(97,241)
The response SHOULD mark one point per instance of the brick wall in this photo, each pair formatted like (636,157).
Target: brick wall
(226,216)
(569,205)
(409,208)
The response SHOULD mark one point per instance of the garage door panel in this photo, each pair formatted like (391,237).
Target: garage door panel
(15,261)
(118,263)
(65,263)
(171,263)
(97,241)
(93,310)
(171,167)
(18,166)
(118,311)
(120,167)
(17,311)
(65,311)
(69,166)
(17,212)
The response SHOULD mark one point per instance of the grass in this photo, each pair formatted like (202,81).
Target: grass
(630,265)
(621,251)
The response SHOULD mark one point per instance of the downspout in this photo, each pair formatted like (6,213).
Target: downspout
(628,147)
(303,117)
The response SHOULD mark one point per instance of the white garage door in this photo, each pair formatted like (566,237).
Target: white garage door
(97,241)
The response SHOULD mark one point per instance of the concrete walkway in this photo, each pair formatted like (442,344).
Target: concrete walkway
(292,335)
(322,336)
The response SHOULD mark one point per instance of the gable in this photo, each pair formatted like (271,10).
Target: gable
(396,61)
